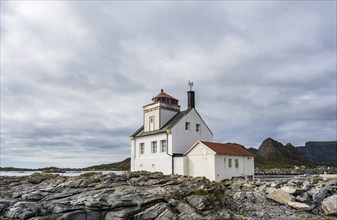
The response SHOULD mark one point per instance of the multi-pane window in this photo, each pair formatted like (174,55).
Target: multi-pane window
(163,146)
(154,147)
(187,126)
(141,148)
(197,127)
(229,162)
(236,163)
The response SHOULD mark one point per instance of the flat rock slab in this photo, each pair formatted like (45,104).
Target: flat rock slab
(299,205)
(280,196)
(292,190)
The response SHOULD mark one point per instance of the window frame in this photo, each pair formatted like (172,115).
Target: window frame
(230,163)
(141,148)
(236,163)
(197,128)
(187,126)
(163,146)
(154,149)
(151,123)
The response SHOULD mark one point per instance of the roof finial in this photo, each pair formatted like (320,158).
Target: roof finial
(162,90)
(190,83)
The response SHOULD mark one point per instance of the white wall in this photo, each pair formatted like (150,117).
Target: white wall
(133,156)
(152,161)
(178,165)
(200,162)
(249,166)
(182,139)
(222,171)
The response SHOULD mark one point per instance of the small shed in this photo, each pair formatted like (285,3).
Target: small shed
(218,161)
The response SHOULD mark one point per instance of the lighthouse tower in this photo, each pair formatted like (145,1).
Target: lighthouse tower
(158,113)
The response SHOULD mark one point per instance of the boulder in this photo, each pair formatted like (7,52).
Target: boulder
(292,190)
(239,195)
(304,197)
(280,196)
(306,185)
(187,212)
(299,205)
(320,195)
(276,184)
(329,205)
(200,203)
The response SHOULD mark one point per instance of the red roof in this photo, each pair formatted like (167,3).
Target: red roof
(162,94)
(228,149)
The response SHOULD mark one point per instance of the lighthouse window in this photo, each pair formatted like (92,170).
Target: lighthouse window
(163,146)
(187,126)
(141,148)
(154,147)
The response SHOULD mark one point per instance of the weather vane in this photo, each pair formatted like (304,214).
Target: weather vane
(190,83)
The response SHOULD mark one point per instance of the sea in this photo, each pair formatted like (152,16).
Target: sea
(70,173)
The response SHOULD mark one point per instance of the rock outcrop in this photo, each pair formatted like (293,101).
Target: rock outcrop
(278,153)
(143,195)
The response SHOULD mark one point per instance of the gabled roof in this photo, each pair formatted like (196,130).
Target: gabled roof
(170,124)
(226,149)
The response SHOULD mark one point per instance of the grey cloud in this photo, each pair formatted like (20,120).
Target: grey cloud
(76,75)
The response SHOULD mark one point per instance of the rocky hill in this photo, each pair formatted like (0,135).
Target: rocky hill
(272,153)
(320,151)
(143,195)
(122,166)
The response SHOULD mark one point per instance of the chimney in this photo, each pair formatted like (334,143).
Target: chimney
(191,100)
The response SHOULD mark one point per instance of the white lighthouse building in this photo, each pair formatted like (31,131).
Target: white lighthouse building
(167,133)
(179,142)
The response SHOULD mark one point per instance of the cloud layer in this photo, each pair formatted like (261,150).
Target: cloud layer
(75,75)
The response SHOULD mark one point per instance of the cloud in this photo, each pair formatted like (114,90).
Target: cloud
(74,76)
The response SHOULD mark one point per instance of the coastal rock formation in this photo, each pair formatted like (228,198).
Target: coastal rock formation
(143,195)
(272,150)
(320,151)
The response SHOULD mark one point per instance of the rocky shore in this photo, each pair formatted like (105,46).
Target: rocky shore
(143,195)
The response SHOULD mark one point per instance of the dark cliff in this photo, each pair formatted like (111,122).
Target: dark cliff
(320,151)
(274,153)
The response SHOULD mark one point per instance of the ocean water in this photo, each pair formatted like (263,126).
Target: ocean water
(27,173)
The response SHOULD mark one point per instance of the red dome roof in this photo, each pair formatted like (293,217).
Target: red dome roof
(162,94)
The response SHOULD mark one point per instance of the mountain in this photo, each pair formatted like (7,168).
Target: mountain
(122,166)
(320,151)
(272,153)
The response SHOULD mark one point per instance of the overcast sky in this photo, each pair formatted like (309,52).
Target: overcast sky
(75,75)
